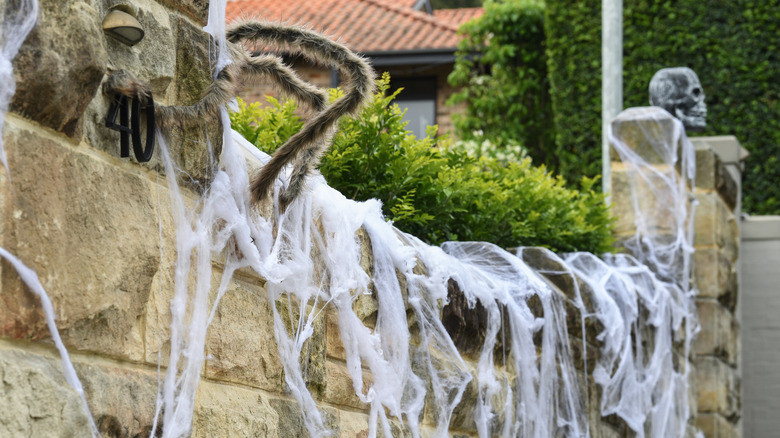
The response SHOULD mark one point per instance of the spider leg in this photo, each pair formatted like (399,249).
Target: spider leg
(291,85)
(309,143)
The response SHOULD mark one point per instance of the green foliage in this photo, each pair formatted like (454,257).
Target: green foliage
(479,146)
(442,193)
(501,67)
(731,45)
(573,31)
(268,127)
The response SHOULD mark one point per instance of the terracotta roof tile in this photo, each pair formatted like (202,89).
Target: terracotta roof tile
(363,25)
(458,16)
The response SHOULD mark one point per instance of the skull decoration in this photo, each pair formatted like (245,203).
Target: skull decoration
(679,91)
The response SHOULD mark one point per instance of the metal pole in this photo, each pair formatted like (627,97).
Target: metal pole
(611,76)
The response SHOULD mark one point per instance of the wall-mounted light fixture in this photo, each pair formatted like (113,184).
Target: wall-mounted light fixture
(123,27)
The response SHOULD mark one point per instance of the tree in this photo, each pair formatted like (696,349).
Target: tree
(502,69)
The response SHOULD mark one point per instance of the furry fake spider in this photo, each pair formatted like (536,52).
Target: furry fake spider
(304,149)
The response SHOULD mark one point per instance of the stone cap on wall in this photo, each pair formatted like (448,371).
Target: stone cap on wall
(727,147)
(647,131)
(761,228)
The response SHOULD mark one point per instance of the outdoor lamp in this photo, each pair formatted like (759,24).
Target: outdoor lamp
(123,27)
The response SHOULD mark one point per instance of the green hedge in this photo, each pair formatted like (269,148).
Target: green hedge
(442,193)
(573,32)
(732,45)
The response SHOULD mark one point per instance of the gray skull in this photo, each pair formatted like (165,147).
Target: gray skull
(679,91)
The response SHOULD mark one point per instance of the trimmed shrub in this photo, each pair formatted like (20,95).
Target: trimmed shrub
(442,193)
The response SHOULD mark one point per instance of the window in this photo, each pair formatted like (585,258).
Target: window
(419,99)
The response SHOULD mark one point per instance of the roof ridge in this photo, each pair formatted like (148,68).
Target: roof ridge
(417,15)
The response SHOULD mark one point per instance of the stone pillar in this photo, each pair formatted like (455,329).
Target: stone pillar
(715,376)
(717,238)
(650,195)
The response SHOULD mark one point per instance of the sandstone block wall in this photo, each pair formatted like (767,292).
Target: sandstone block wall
(715,271)
(98,230)
(94,226)
(716,349)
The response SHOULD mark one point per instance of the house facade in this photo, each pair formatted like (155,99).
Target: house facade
(407,39)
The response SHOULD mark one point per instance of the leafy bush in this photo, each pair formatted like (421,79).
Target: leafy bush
(501,68)
(269,127)
(442,193)
(732,46)
(479,146)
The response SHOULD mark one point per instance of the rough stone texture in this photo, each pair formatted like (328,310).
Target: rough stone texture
(711,174)
(566,284)
(718,345)
(718,387)
(173,59)
(463,415)
(193,75)
(313,352)
(89,232)
(240,342)
(291,419)
(338,388)
(602,427)
(466,323)
(58,70)
(35,399)
(355,425)
(364,306)
(715,225)
(623,211)
(334,347)
(231,411)
(719,334)
(715,426)
(153,59)
(157,312)
(121,399)
(715,276)
(195,9)
(644,130)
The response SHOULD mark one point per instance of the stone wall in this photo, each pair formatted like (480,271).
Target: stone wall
(716,349)
(98,230)
(89,221)
(717,240)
